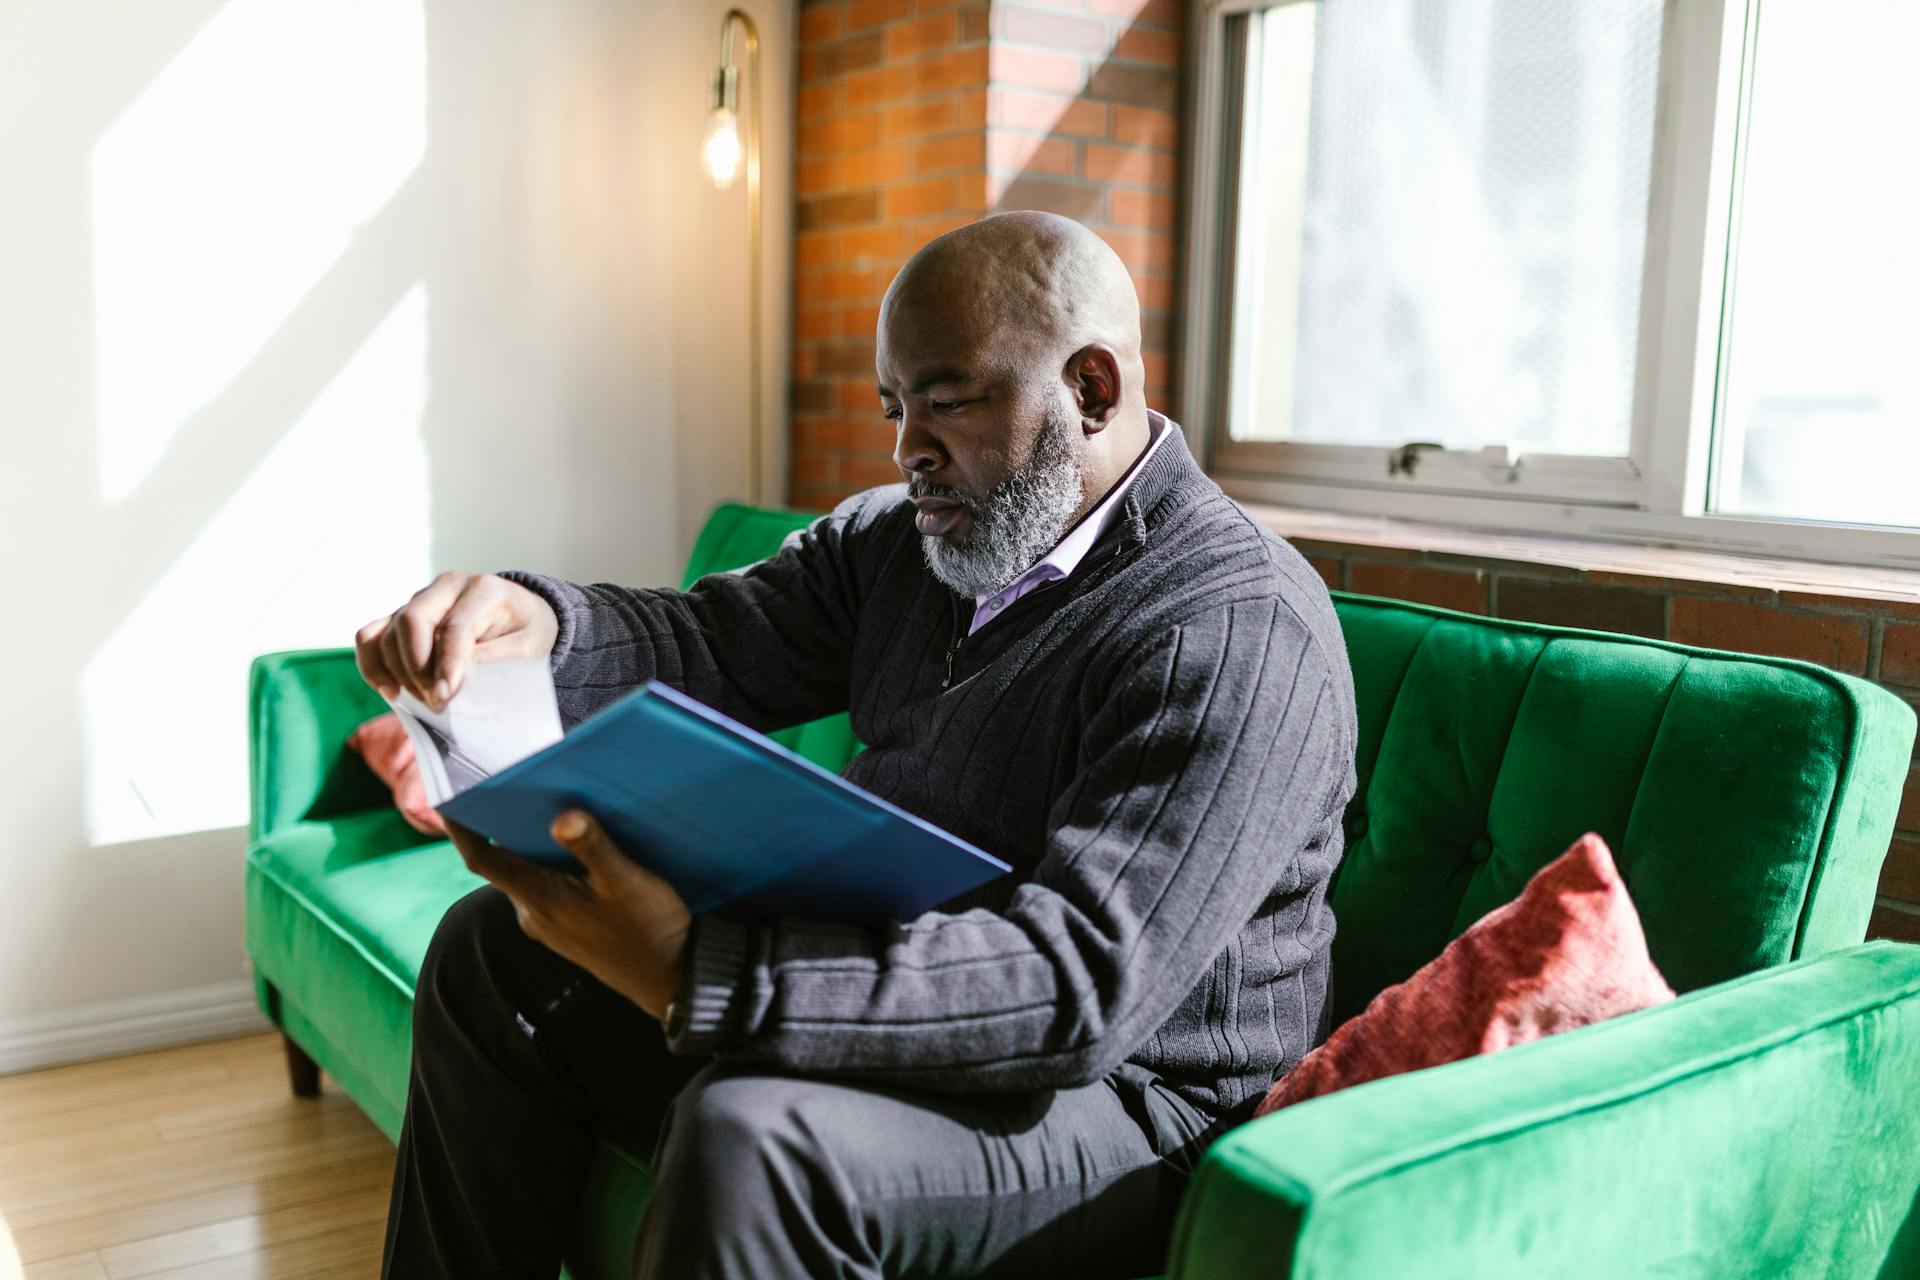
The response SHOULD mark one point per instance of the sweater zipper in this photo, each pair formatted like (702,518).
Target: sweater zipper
(953,650)
(961,620)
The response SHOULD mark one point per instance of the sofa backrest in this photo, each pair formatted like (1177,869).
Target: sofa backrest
(303,705)
(734,536)
(1748,801)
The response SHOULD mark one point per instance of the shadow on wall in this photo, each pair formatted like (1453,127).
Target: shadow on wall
(1111,159)
(311,302)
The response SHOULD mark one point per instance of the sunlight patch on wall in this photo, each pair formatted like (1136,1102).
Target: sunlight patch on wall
(332,529)
(10,1268)
(226,189)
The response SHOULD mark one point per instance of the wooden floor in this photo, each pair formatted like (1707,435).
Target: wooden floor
(187,1162)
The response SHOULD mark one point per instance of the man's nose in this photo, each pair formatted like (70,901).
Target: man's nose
(915,449)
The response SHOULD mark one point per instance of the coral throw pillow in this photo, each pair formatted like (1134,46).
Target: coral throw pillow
(1567,952)
(384,745)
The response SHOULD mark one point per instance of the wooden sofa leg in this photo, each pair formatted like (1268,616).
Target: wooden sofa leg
(303,1073)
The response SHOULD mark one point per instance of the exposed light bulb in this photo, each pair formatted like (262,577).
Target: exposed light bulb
(722,149)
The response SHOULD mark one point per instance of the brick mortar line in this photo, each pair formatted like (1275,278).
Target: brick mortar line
(1095,184)
(1103,140)
(936,95)
(839,79)
(1092,16)
(1492,565)
(1116,27)
(1864,611)
(1107,56)
(1017,45)
(848,35)
(1095,62)
(857,153)
(1864,608)
(1078,179)
(914,99)
(1082,94)
(1148,273)
(1563,582)
(909,140)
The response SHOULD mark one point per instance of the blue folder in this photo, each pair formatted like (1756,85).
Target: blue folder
(734,821)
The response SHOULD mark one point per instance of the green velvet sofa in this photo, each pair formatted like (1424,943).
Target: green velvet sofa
(1766,1123)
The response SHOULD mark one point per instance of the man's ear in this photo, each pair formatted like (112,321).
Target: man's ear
(1093,375)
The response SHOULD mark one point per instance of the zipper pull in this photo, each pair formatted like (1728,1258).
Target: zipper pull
(958,636)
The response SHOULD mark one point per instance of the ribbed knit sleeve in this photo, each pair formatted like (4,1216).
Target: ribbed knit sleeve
(1218,755)
(767,645)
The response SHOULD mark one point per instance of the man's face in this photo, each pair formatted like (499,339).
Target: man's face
(988,441)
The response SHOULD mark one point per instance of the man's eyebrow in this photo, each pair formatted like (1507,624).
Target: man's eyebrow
(933,379)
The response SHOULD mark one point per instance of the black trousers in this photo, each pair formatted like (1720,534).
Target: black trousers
(521,1059)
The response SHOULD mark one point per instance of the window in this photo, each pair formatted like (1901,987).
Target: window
(1821,350)
(1638,269)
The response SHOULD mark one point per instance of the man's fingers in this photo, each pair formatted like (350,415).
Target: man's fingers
(539,894)
(581,835)
(408,642)
(394,650)
(367,656)
(474,616)
(517,877)
(426,646)
(474,849)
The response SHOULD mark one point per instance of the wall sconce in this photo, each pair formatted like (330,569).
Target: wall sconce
(722,153)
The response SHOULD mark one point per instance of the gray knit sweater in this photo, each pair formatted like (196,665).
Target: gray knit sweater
(1161,745)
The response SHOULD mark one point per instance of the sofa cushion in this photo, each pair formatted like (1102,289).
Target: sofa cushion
(370,877)
(1568,952)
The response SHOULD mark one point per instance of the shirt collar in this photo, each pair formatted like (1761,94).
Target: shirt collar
(1073,547)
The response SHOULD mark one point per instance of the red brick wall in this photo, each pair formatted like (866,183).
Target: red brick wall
(915,116)
(1865,637)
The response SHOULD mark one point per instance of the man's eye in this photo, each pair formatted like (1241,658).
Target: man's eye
(893,413)
(946,406)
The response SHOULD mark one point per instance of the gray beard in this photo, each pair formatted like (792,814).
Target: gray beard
(1019,521)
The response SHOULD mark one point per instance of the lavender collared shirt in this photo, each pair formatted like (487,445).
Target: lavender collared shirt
(1072,549)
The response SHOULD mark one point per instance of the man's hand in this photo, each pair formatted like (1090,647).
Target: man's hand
(426,645)
(620,922)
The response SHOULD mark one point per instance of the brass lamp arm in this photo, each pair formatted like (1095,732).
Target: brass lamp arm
(725,96)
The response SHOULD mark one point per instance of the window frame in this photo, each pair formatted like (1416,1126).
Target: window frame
(1659,492)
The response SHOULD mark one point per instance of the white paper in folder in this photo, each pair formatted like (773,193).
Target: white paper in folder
(504,712)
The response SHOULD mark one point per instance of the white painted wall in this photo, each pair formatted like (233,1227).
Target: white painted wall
(302,301)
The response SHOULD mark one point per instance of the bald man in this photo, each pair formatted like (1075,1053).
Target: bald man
(1060,641)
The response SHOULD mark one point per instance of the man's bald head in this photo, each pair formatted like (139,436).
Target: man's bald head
(1036,285)
(1008,353)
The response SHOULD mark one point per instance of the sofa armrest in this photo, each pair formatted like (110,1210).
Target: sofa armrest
(1765,1126)
(303,705)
